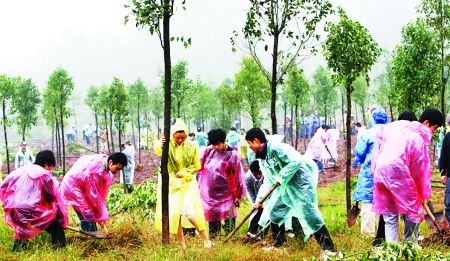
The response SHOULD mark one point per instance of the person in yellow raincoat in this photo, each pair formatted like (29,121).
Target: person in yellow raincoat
(185,205)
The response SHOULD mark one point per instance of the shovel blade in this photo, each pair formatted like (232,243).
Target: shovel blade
(353,215)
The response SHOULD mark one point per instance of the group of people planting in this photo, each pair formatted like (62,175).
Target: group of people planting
(207,184)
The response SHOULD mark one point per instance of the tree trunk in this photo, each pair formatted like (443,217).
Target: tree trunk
(6,136)
(223,116)
(443,78)
(356,113)
(167,107)
(132,133)
(390,110)
(119,130)
(58,142)
(139,132)
(107,131)
(111,132)
(53,137)
(61,115)
(23,133)
(96,132)
(348,150)
(343,106)
(364,114)
(273,83)
(203,122)
(291,131)
(297,125)
(285,115)
(325,116)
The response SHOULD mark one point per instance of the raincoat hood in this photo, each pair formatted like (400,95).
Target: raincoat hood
(179,125)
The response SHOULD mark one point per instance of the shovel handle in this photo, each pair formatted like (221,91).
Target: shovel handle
(433,218)
(251,212)
(83,232)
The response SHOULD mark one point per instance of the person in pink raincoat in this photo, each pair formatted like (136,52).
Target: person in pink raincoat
(402,174)
(222,183)
(32,202)
(85,187)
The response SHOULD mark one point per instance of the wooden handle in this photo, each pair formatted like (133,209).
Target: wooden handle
(251,212)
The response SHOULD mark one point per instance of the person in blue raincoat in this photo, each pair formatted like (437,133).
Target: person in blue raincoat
(296,195)
(364,189)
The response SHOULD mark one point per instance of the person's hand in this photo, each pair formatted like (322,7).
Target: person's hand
(257,205)
(103,225)
(179,175)
(444,180)
(163,140)
(237,202)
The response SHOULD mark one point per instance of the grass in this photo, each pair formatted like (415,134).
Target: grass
(136,239)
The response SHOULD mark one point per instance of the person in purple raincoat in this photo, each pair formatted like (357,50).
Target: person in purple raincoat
(222,183)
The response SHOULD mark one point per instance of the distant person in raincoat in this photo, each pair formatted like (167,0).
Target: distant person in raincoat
(201,138)
(364,189)
(402,174)
(295,197)
(232,138)
(243,146)
(317,147)
(128,170)
(222,184)
(185,208)
(253,181)
(85,187)
(32,202)
(24,156)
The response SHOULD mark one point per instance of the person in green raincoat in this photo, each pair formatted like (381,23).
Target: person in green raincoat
(185,205)
(296,195)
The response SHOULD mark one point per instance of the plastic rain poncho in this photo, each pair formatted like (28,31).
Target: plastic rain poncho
(85,187)
(128,170)
(316,147)
(202,139)
(233,138)
(31,201)
(297,195)
(363,156)
(401,169)
(221,183)
(183,158)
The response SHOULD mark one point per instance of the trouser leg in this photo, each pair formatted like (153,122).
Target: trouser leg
(447,201)
(214,229)
(88,226)
(411,230)
(229,225)
(56,230)
(253,228)
(391,227)
(324,239)
(278,234)
(380,237)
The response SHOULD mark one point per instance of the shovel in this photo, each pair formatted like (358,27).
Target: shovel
(353,215)
(433,218)
(251,212)
(87,233)
(336,167)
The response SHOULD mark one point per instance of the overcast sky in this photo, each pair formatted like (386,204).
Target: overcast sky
(89,39)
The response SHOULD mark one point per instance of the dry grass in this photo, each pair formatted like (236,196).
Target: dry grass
(134,238)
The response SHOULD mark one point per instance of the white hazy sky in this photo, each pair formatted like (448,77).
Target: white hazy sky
(90,40)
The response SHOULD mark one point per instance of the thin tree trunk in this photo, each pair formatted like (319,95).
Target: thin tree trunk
(348,150)
(96,132)
(6,136)
(343,106)
(132,133)
(119,130)
(363,114)
(167,107)
(53,137)
(273,83)
(139,131)
(291,131)
(58,141)
(61,115)
(111,132)
(285,115)
(107,131)
(297,125)
(390,110)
